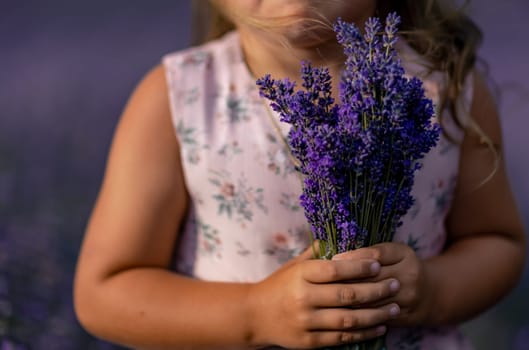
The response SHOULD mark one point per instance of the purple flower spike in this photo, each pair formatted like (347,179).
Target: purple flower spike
(359,156)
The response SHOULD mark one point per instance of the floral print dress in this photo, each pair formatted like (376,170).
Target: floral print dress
(244,219)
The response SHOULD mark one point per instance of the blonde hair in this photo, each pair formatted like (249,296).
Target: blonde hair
(439,30)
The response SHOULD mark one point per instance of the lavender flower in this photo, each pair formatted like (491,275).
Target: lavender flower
(358,156)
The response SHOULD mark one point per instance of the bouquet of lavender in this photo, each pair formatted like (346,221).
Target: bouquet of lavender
(359,156)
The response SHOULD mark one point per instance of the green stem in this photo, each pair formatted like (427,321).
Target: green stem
(364,121)
(330,226)
(368,220)
(379,214)
(311,237)
(350,192)
(356,198)
(364,199)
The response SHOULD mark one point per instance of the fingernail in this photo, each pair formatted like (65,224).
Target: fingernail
(381,330)
(338,257)
(394,285)
(394,310)
(375,267)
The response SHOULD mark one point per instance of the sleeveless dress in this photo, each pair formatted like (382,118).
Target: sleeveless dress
(244,219)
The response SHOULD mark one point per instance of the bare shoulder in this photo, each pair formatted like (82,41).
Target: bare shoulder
(145,132)
(484,111)
(150,93)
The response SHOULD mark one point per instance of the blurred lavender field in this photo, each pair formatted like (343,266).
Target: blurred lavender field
(67,70)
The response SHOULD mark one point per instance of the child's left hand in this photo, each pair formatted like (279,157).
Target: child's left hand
(400,262)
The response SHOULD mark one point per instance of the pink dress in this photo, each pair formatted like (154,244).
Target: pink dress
(244,219)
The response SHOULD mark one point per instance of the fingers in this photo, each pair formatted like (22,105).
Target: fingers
(410,283)
(352,295)
(334,326)
(326,271)
(308,254)
(340,319)
(386,253)
(319,339)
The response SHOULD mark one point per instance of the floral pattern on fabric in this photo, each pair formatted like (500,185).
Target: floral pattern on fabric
(236,199)
(187,137)
(244,188)
(277,157)
(210,242)
(230,150)
(286,245)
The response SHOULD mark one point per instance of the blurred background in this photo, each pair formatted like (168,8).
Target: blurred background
(67,69)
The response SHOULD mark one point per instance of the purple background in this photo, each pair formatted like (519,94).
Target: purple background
(67,70)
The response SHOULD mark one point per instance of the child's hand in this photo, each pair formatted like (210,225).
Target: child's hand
(399,262)
(308,303)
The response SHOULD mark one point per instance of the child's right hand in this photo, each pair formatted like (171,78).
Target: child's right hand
(311,303)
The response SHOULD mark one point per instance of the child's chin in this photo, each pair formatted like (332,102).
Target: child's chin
(307,35)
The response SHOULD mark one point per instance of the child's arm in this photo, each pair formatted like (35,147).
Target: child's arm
(124,291)
(486,251)
(486,248)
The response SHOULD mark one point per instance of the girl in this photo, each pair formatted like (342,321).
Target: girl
(196,240)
